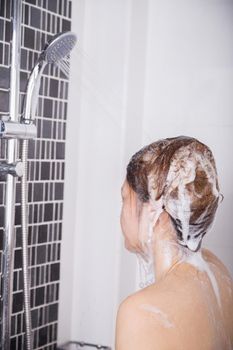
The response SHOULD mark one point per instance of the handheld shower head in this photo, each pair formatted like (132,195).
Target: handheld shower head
(59,47)
(54,52)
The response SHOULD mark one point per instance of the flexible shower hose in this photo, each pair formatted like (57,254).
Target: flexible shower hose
(24,218)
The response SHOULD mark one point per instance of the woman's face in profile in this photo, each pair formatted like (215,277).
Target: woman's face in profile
(130,218)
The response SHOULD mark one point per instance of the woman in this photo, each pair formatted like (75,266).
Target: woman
(170,197)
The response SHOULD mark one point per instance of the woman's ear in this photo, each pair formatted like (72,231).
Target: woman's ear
(161,222)
(163,218)
(164,227)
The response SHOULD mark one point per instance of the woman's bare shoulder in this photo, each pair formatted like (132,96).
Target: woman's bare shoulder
(211,258)
(128,323)
(134,301)
(131,305)
(141,316)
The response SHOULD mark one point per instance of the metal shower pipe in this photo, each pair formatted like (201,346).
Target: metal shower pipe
(12,149)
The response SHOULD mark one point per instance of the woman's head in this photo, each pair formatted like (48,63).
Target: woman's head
(177,175)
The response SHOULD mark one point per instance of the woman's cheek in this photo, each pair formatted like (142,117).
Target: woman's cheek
(132,242)
(123,221)
(129,226)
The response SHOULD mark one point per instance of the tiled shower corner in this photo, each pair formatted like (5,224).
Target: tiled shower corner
(41,20)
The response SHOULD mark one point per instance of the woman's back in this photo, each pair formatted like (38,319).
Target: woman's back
(191,308)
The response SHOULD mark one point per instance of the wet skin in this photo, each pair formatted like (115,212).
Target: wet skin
(180,310)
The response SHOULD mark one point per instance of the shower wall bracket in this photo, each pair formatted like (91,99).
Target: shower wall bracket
(11,130)
(14,169)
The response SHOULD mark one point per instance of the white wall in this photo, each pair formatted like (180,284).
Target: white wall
(151,69)
(189,89)
(92,252)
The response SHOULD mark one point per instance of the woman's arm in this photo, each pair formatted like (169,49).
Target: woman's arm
(127,327)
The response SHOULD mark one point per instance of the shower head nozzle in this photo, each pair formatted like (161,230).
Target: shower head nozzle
(55,52)
(59,47)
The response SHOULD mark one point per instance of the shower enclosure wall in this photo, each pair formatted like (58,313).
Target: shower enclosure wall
(46,166)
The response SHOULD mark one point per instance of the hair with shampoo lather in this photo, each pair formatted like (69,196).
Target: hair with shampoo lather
(182,171)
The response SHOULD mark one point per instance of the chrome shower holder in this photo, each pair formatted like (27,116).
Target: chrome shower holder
(16,130)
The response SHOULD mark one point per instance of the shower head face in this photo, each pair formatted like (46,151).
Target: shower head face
(55,51)
(59,47)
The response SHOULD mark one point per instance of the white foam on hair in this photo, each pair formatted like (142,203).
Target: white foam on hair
(210,172)
(158,314)
(147,222)
(182,171)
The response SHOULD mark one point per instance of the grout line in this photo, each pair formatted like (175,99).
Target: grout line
(5,18)
(50,12)
(5,90)
(39,30)
(36,328)
(41,202)
(44,75)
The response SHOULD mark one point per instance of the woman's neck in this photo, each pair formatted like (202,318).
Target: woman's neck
(166,250)
(167,254)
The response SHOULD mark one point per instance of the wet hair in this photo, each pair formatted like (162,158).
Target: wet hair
(182,171)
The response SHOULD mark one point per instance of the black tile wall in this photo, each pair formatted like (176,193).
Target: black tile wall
(41,20)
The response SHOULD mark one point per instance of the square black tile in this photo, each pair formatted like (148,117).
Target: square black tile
(70,9)
(47,128)
(17,215)
(18,259)
(4,77)
(38,192)
(4,101)
(1,239)
(2,216)
(8,31)
(45,170)
(2,24)
(52,5)
(53,312)
(60,150)
(29,38)
(17,302)
(59,188)
(41,254)
(66,25)
(2,8)
(42,233)
(48,108)
(55,272)
(34,315)
(26,14)
(48,212)
(53,87)
(23,81)
(43,335)
(40,296)
(35,17)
